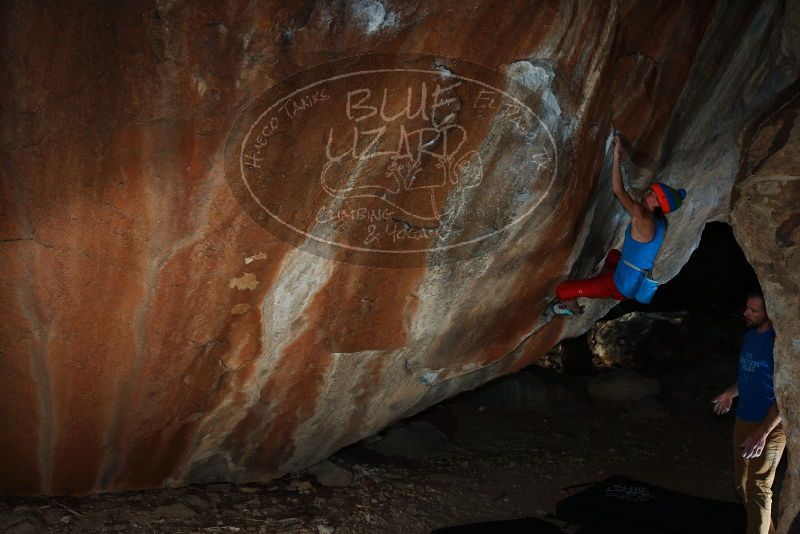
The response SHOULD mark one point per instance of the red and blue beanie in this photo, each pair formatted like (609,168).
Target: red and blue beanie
(668,198)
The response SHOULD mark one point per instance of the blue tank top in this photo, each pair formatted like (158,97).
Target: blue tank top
(642,255)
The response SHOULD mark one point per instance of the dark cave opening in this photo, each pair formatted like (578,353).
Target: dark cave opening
(716,277)
(708,296)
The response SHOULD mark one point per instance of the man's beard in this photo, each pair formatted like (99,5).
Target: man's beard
(750,323)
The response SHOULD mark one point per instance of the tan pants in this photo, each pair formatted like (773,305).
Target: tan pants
(753,478)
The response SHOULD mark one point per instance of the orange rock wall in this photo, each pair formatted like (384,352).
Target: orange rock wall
(155,334)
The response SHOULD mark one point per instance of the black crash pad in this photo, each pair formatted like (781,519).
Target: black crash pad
(624,505)
(525,525)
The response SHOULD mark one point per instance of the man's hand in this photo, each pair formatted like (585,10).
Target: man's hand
(617,145)
(753,445)
(722,403)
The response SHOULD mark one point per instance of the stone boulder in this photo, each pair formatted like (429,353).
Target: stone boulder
(621,387)
(413,441)
(527,391)
(23,520)
(766,220)
(330,474)
(648,408)
(211,260)
(637,337)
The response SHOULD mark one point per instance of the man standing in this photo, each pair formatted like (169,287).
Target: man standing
(758,437)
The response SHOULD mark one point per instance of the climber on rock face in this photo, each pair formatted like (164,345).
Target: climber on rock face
(626,274)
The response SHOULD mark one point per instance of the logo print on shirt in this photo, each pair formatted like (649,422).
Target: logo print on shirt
(747,364)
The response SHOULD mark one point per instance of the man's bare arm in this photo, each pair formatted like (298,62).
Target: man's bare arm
(753,445)
(770,421)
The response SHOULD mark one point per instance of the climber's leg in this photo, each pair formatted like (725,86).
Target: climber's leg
(601,286)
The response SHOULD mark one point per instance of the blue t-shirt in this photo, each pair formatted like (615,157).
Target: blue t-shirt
(756,366)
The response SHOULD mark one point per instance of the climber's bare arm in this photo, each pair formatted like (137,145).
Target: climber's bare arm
(630,205)
(642,223)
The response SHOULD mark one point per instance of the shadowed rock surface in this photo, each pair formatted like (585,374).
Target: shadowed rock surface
(766,220)
(155,334)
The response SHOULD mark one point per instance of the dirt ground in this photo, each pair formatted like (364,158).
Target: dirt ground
(499,465)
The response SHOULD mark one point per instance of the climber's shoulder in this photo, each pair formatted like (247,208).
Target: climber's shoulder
(643,225)
(638,213)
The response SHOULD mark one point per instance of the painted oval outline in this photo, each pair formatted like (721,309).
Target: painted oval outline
(418,71)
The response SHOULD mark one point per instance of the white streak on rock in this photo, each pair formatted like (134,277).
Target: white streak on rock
(371,16)
(300,279)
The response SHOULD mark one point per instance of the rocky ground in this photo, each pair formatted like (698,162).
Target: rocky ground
(499,452)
